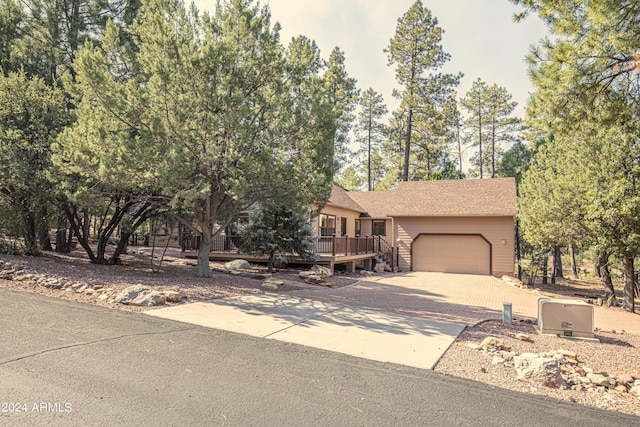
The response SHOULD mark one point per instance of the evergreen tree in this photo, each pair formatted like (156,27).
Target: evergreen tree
(369,128)
(209,112)
(279,232)
(489,122)
(350,179)
(344,97)
(31,116)
(416,49)
(587,93)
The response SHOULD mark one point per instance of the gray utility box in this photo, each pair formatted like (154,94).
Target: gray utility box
(569,318)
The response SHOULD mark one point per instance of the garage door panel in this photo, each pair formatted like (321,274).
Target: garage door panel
(452,254)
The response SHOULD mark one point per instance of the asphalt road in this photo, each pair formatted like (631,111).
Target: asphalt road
(64,363)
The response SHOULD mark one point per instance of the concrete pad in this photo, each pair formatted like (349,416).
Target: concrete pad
(256,315)
(369,334)
(376,336)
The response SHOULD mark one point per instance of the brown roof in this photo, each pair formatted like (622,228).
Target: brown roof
(462,197)
(340,198)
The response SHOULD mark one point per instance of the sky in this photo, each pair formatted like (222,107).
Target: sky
(480,36)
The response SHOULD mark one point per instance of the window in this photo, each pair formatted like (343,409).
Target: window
(378,228)
(327,225)
(343,226)
(358,228)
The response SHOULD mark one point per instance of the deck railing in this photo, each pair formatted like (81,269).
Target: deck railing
(324,245)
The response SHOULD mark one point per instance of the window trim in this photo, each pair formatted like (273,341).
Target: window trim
(375,232)
(323,229)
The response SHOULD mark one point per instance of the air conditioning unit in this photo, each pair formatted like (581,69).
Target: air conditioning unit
(569,318)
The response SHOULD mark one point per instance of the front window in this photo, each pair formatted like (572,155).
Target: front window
(358,229)
(327,225)
(378,228)
(343,226)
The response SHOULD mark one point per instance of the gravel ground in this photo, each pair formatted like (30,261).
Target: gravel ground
(616,355)
(176,274)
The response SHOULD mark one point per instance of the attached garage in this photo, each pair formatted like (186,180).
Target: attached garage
(452,253)
(462,226)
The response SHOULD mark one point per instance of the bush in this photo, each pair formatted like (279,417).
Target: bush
(11,248)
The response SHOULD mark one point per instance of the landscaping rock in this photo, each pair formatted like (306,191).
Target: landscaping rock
(313,279)
(524,337)
(545,370)
(568,354)
(269,286)
(598,379)
(172,296)
(274,281)
(366,273)
(237,264)
(494,342)
(321,271)
(141,296)
(625,379)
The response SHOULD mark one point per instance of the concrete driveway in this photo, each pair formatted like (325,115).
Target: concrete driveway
(356,331)
(408,318)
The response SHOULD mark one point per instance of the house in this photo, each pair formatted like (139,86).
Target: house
(461,226)
(457,226)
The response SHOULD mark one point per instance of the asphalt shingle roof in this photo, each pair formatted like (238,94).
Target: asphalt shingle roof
(464,197)
(341,198)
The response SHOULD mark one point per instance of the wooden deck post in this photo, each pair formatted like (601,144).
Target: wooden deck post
(333,245)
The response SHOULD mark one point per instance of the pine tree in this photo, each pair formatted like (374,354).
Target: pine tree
(416,49)
(489,123)
(369,128)
(210,112)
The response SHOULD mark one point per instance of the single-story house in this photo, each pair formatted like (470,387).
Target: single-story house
(461,226)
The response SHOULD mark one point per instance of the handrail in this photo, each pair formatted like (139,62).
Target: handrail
(334,245)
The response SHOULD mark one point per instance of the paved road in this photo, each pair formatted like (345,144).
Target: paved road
(73,364)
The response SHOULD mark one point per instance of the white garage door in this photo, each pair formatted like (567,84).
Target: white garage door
(452,254)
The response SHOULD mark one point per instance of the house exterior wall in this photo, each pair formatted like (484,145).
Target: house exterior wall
(338,213)
(494,229)
(367,228)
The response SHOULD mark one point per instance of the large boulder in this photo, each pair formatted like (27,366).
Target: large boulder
(237,264)
(543,370)
(141,295)
(315,272)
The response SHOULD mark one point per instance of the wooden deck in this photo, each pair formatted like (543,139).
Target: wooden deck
(330,251)
(351,261)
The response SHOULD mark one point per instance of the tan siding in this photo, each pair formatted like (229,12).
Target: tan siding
(340,213)
(494,229)
(367,228)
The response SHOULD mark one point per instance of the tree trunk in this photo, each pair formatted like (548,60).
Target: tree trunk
(270,263)
(202,269)
(45,241)
(629,284)
(545,268)
(557,262)
(407,148)
(83,240)
(518,255)
(30,241)
(121,247)
(574,267)
(605,275)
(61,241)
